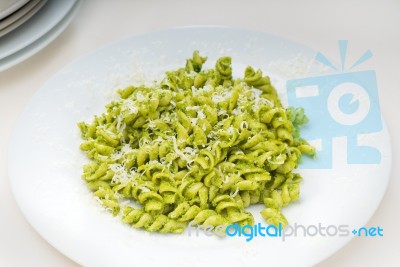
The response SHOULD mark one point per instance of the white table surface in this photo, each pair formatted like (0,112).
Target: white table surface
(366,24)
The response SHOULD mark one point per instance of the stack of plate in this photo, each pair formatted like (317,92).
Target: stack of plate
(26,26)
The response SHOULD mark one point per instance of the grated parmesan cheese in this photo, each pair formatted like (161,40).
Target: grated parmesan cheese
(234,194)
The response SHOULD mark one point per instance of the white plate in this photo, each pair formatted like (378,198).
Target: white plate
(7,7)
(40,43)
(18,14)
(19,17)
(45,163)
(47,18)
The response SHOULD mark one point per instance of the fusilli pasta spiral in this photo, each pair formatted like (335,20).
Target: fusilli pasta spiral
(199,146)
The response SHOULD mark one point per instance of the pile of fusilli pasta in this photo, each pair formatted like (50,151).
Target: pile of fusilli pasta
(198,146)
